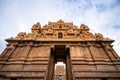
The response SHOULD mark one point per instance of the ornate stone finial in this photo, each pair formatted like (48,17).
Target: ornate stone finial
(60,21)
(21,35)
(36,28)
(84,27)
(98,36)
(49,23)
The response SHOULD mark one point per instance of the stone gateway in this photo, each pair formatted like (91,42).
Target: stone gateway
(32,56)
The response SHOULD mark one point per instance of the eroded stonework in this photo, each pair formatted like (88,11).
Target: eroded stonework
(32,56)
(60,73)
(53,29)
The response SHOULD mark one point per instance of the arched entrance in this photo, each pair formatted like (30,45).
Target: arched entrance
(59,54)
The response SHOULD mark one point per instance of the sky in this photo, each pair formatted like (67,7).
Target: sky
(102,16)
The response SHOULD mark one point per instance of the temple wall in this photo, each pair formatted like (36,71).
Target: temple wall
(26,61)
(90,61)
(31,56)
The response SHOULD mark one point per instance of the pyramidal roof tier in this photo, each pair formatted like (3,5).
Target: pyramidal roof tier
(61,31)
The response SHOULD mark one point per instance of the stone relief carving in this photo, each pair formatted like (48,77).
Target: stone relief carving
(68,30)
(21,35)
(36,28)
(98,36)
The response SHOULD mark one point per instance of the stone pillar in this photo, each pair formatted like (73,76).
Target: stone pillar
(50,72)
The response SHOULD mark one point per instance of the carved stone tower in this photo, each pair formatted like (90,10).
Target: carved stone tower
(32,56)
(60,73)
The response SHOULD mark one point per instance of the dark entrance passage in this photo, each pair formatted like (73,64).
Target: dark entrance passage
(60,54)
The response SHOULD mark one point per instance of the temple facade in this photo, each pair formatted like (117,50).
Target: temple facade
(32,56)
(60,73)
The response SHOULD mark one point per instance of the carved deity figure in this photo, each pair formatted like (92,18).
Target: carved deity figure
(36,28)
(98,36)
(68,30)
(84,27)
(21,35)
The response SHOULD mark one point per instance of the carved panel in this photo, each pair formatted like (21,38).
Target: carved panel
(95,52)
(19,54)
(75,52)
(15,53)
(33,52)
(39,51)
(43,52)
(110,54)
(86,52)
(25,51)
(103,53)
(7,52)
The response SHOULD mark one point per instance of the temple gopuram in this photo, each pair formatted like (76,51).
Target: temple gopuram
(60,73)
(32,56)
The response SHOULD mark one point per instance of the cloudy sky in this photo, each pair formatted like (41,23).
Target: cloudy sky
(101,16)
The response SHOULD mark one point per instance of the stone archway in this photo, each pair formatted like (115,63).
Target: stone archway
(59,53)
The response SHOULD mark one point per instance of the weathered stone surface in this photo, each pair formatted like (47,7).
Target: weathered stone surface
(32,56)
(60,72)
